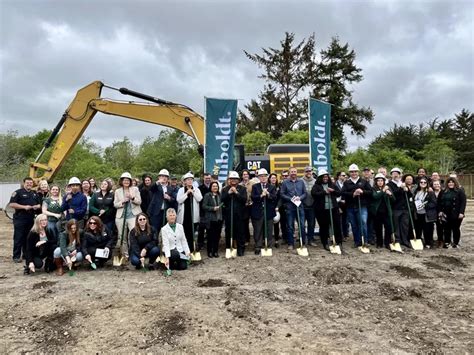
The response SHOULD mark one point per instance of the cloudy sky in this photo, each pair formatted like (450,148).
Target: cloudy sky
(417,56)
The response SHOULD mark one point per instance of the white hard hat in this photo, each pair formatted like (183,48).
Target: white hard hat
(188,175)
(322,172)
(353,167)
(164,172)
(74,181)
(396,170)
(262,171)
(379,176)
(126,176)
(234,175)
(276,219)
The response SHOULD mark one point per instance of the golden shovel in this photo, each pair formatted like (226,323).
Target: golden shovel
(231,252)
(416,244)
(334,248)
(302,250)
(267,251)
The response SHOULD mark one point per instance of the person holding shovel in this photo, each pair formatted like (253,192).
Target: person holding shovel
(264,197)
(175,245)
(188,199)
(212,219)
(127,201)
(381,211)
(97,236)
(401,216)
(234,197)
(426,212)
(325,193)
(143,243)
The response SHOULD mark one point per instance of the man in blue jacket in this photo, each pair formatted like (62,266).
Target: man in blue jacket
(75,202)
(293,193)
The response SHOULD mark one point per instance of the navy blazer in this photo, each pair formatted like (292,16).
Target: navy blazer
(257,205)
(156,199)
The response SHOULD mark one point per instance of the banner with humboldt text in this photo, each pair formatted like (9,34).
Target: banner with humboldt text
(221,116)
(320,134)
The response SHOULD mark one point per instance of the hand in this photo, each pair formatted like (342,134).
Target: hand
(188,254)
(329,190)
(101,212)
(143,253)
(73,253)
(68,262)
(167,262)
(232,190)
(461,216)
(36,207)
(88,258)
(106,250)
(142,261)
(27,207)
(190,191)
(57,215)
(430,189)
(40,243)
(31,266)
(71,211)
(388,192)
(216,208)
(167,197)
(68,197)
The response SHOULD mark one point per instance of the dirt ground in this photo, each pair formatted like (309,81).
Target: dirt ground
(419,302)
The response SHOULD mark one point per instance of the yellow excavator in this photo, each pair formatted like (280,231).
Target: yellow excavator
(88,102)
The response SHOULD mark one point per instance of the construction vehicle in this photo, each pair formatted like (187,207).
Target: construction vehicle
(88,102)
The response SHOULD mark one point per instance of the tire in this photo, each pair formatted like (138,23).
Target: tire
(9,211)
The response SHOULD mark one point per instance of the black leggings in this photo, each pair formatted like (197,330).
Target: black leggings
(324,222)
(214,236)
(452,226)
(383,229)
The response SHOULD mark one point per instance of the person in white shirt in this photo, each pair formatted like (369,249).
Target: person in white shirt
(175,245)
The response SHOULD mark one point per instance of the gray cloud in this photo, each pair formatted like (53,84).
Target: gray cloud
(417,57)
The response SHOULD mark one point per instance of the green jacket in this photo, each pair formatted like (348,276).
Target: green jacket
(377,197)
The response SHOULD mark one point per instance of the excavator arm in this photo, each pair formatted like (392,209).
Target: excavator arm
(87,103)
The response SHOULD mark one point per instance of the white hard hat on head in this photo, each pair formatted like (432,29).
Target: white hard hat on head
(322,172)
(262,171)
(74,181)
(188,175)
(234,175)
(396,170)
(379,176)
(164,172)
(353,167)
(126,176)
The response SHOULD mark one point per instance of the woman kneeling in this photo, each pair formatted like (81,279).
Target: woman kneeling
(40,245)
(143,243)
(97,236)
(175,246)
(69,250)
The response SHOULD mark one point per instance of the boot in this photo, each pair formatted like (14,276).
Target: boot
(59,266)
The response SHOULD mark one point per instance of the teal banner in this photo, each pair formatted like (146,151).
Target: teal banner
(221,116)
(320,134)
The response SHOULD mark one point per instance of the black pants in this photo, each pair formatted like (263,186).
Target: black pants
(439,231)
(401,223)
(213,237)
(383,229)
(100,262)
(176,263)
(246,226)
(424,229)
(324,222)
(452,226)
(283,222)
(21,228)
(201,235)
(238,232)
(344,223)
(43,253)
(158,220)
(188,231)
(259,233)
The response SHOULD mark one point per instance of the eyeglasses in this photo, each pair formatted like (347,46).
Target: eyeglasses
(92,222)
(142,219)
(423,182)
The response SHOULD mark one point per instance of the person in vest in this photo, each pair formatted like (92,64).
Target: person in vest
(25,202)
(188,208)
(357,192)
(234,197)
(381,211)
(325,195)
(264,196)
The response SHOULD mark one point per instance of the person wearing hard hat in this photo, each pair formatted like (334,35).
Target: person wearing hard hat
(325,194)
(127,201)
(160,200)
(401,217)
(356,191)
(308,203)
(234,197)
(264,197)
(25,202)
(75,202)
(188,199)
(381,211)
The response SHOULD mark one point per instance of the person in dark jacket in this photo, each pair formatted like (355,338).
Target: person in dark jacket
(205,188)
(425,212)
(75,202)
(160,200)
(273,179)
(143,243)
(97,236)
(381,211)
(69,250)
(234,197)
(101,205)
(452,209)
(339,183)
(263,197)
(438,192)
(357,189)
(325,196)
(145,191)
(212,219)
(40,245)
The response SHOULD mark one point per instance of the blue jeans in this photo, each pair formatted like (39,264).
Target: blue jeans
(152,255)
(353,216)
(57,254)
(310,222)
(291,216)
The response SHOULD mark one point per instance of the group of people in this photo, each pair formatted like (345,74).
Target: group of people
(143,220)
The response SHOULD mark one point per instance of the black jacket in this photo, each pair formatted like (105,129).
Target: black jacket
(103,239)
(100,202)
(142,240)
(400,203)
(453,207)
(319,195)
(348,189)
(257,205)
(431,207)
(44,251)
(239,200)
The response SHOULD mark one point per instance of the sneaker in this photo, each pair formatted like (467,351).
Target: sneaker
(428,246)
(456,246)
(26,270)
(290,247)
(447,246)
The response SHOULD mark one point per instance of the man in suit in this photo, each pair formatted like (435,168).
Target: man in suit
(161,199)
(264,198)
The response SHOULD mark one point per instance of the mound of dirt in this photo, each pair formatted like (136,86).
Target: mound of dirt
(212,283)
(449,260)
(43,284)
(407,272)
(337,276)
(54,332)
(167,330)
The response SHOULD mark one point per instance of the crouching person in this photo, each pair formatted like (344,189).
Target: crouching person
(143,243)
(175,245)
(69,250)
(97,236)
(40,245)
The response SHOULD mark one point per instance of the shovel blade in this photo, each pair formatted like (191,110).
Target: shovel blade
(266,252)
(117,261)
(416,244)
(302,251)
(196,256)
(396,247)
(335,249)
(364,249)
(228,253)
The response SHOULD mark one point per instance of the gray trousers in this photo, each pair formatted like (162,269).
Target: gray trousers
(258,233)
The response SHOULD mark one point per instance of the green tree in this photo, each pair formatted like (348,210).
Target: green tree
(438,156)
(336,74)
(463,142)
(294,137)
(121,155)
(256,142)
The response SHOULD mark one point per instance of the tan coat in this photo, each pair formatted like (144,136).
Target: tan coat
(119,198)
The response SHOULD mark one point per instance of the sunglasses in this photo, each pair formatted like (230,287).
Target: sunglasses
(343,175)
(423,182)
(142,219)
(92,222)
